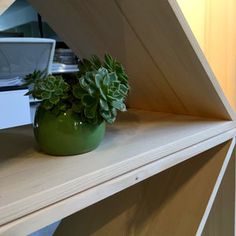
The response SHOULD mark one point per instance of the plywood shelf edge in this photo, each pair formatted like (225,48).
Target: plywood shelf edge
(169,75)
(137,139)
(68,206)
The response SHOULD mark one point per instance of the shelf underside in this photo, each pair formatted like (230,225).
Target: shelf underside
(30,180)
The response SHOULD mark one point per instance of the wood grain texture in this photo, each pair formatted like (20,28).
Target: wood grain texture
(221,220)
(170,203)
(152,39)
(212,22)
(220,44)
(168,73)
(4,4)
(137,139)
(54,212)
(225,181)
(195,12)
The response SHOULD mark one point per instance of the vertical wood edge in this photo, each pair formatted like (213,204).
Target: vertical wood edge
(231,115)
(216,188)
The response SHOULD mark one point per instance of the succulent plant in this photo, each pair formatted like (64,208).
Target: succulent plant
(95,93)
(111,64)
(52,90)
(100,93)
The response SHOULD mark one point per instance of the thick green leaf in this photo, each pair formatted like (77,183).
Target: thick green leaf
(88,101)
(78,92)
(113,79)
(95,93)
(84,83)
(104,105)
(123,89)
(77,107)
(119,105)
(114,112)
(92,91)
(108,116)
(90,112)
(98,80)
(47,104)
(118,95)
(54,100)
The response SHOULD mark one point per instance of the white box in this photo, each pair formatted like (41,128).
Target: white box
(14,108)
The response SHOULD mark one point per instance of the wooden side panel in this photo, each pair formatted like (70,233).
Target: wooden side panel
(220,47)
(179,57)
(195,13)
(212,22)
(167,72)
(170,203)
(221,220)
(4,4)
(94,34)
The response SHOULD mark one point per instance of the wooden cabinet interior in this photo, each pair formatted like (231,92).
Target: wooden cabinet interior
(4,4)
(212,22)
(152,39)
(177,110)
(137,139)
(222,215)
(170,203)
(138,146)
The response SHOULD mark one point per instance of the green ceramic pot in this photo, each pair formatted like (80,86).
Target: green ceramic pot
(65,134)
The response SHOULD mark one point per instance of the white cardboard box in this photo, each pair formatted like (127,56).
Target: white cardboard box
(14,108)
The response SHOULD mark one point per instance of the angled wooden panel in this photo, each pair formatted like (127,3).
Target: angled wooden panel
(221,218)
(167,69)
(116,37)
(195,12)
(170,203)
(172,45)
(4,4)
(212,22)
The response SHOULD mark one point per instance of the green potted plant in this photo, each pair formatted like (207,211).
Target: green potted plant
(73,111)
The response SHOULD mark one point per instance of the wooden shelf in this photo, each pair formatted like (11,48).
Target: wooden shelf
(167,69)
(30,180)
(170,203)
(169,75)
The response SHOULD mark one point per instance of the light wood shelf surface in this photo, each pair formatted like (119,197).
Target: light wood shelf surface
(171,203)
(169,75)
(30,180)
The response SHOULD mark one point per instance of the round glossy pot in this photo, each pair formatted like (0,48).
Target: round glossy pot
(65,134)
